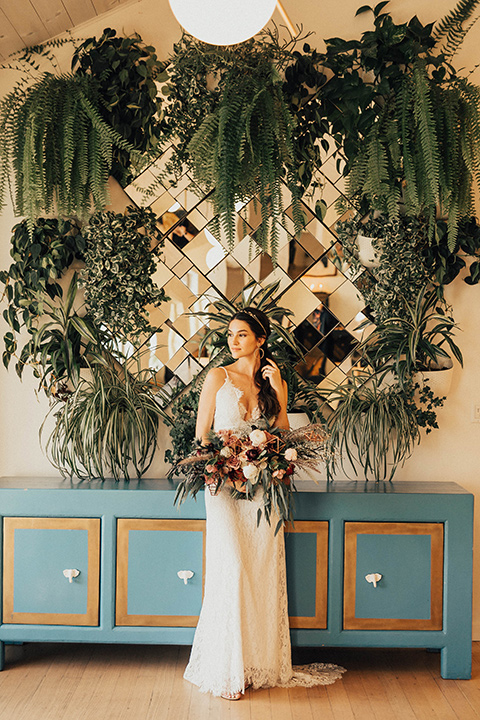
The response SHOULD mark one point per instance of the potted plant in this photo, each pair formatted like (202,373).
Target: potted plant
(444,262)
(125,72)
(58,336)
(419,340)
(58,146)
(62,135)
(107,426)
(400,270)
(234,118)
(374,427)
(119,264)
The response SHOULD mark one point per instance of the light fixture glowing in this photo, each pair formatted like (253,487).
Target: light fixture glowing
(223,22)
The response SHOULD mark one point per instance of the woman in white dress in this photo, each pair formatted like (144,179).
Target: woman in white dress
(242,637)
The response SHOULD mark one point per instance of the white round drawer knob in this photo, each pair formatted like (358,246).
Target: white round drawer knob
(185,575)
(71,573)
(373,578)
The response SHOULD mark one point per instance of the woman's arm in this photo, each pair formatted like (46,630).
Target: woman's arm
(206,404)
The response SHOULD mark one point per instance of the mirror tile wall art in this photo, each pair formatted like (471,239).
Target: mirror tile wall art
(196,267)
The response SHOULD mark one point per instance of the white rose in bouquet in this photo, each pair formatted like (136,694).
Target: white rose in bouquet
(257,437)
(250,472)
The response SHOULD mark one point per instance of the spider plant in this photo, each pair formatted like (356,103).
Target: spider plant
(419,339)
(109,424)
(373,426)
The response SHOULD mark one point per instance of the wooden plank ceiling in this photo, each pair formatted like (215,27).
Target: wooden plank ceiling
(30,22)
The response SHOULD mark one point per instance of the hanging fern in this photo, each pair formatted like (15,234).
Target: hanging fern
(237,128)
(58,145)
(408,123)
(244,149)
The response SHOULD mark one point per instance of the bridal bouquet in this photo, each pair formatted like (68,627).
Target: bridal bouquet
(263,461)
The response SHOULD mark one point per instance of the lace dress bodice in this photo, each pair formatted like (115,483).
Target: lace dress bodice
(230,412)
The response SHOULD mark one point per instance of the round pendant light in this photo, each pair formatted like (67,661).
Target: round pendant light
(223,22)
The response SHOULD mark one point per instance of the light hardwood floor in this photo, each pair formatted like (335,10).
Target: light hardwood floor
(121,682)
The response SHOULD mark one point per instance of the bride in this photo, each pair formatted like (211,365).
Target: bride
(242,637)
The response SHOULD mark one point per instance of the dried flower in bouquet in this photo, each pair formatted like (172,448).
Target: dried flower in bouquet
(262,461)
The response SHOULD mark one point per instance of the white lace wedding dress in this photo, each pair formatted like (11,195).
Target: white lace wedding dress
(242,636)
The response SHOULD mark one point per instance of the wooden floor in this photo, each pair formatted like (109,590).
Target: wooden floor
(121,682)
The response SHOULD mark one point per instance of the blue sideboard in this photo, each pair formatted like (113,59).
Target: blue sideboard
(368,565)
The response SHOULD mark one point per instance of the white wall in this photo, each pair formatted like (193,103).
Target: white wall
(451,453)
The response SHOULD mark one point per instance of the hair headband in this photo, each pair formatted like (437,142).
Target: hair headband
(252,315)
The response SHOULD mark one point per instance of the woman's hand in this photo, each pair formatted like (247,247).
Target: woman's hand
(271,372)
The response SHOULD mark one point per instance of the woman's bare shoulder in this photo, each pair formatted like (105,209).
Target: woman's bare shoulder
(215,377)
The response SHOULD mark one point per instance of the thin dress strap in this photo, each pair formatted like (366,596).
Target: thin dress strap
(226,374)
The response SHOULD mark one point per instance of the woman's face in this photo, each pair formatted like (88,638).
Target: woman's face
(242,341)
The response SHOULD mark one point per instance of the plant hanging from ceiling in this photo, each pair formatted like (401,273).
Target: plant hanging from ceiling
(407,121)
(125,71)
(62,135)
(58,145)
(239,138)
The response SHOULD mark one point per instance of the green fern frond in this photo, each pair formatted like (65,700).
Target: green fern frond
(450,31)
(49,131)
(243,149)
(427,133)
(377,167)
(404,120)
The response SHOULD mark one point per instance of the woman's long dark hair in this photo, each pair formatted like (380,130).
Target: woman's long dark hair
(260,326)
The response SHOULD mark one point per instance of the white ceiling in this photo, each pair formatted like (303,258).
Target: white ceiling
(30,22)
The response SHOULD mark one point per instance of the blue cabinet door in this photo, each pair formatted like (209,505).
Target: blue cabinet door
(150,556)
(393,576)
(51,570)
(306,546)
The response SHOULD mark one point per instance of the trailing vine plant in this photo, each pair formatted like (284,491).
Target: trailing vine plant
(119,264)
(57,336)
(400,271)
(126,73)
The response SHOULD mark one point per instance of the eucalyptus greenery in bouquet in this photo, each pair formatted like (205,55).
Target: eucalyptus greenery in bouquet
(263,461)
